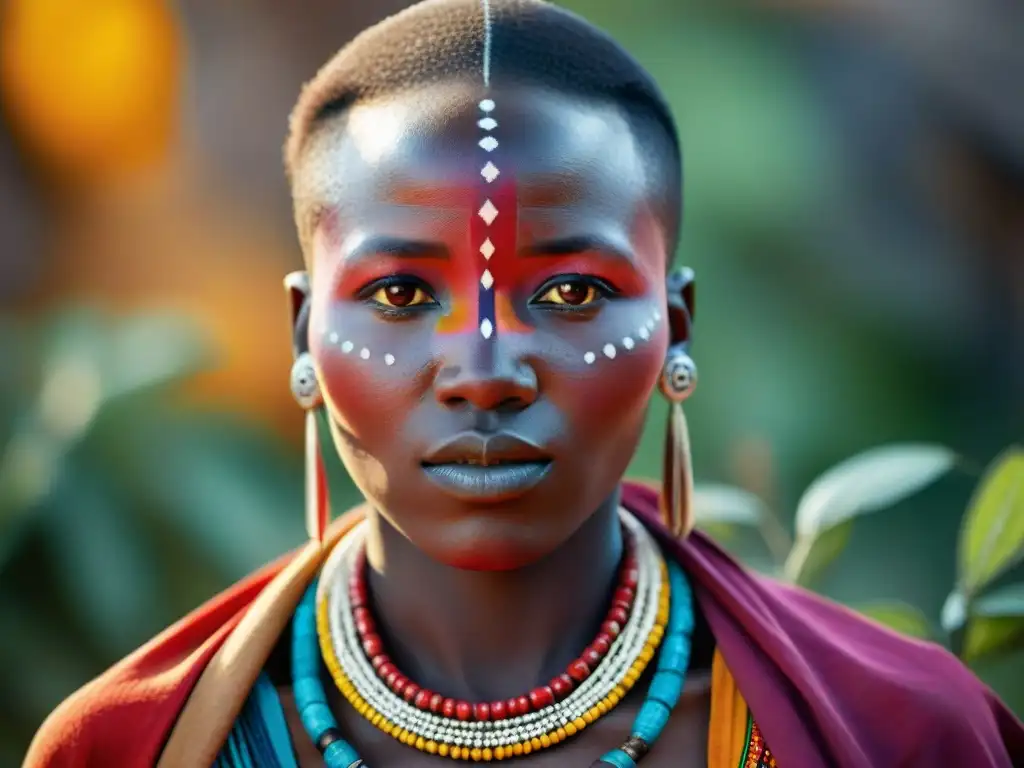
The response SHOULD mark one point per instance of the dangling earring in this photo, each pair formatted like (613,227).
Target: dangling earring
(678,380)
(306,391)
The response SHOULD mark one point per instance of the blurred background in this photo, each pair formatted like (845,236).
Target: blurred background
(854,213)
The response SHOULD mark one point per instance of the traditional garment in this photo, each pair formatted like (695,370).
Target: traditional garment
(828,687)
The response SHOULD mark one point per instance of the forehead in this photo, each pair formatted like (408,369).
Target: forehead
(568,157)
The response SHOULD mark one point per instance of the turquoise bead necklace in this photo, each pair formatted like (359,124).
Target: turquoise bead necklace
(662,696)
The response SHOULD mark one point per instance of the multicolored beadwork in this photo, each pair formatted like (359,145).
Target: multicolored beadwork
(618,671)
(663,598)
(310,696)
(757,753)
(667,685)
(557,689)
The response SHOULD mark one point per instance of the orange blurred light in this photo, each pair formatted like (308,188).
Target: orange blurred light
(91,88)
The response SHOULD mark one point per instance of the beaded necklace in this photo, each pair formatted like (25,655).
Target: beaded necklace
(321,621)
(557,689)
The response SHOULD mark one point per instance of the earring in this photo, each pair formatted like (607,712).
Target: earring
(305,387)
(306,391)
(678,381)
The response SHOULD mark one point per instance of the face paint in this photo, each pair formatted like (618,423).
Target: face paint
(494,232)
(484,213)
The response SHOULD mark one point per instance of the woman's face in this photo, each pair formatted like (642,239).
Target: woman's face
(488,312)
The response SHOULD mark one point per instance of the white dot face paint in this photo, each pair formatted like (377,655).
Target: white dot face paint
(628,343)
(346,347)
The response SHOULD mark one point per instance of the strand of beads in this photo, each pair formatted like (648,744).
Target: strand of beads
(667,685)
(626,660)
(310,696)
(557,689)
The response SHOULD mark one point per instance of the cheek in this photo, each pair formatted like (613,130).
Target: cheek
(612,365)
(369,370)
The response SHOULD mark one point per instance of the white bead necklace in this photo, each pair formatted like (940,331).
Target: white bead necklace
(609,673)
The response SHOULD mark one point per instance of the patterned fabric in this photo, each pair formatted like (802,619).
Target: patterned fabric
(734,740)
(757,754)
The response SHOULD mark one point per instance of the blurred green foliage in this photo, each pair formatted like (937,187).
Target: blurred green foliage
(121,507)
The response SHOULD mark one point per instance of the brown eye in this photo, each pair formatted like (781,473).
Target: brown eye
(572,293)
(402,295)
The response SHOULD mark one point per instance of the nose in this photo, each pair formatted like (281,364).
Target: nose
(486,379)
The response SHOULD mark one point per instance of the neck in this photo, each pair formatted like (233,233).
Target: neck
(485,636)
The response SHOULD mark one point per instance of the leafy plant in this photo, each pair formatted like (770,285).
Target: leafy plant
(982,617)
(121,507)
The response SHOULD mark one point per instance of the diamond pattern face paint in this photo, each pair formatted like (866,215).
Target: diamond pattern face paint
(491,240)
(487,279)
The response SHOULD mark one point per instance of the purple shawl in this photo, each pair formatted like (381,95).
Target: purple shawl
(830,688)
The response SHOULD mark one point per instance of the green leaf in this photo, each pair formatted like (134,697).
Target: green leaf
(954,612)
(868,482)
(151,351)
(109,577)
(811,557)
(1006,601)
(225,484)
(992,537)
(991,624)
(899,616)
(987,637)
(726,505)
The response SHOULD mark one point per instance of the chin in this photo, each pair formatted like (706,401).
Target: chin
(488,545)
(495,559)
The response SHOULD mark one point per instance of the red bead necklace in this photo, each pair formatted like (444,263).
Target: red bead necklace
(543,696)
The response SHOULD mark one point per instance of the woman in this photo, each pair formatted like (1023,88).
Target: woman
(487,195)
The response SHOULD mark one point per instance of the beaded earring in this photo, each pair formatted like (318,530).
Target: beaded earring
(306,391)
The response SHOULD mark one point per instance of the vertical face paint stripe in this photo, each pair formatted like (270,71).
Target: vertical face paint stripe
(506,265)
(484,229)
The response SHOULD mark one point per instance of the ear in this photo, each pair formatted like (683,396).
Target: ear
(296,286)
(681,299)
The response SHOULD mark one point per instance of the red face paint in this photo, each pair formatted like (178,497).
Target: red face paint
(494,235)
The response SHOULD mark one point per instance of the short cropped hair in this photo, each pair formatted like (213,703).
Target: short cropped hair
(527,42)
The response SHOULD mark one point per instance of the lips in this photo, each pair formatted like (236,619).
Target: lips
(486,450)
(494,467)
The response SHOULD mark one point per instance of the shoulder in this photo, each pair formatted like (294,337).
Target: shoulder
(129,709)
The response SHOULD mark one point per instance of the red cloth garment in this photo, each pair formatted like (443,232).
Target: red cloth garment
(827,687)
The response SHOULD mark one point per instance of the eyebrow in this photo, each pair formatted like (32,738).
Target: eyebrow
(376,245)
(572,244)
